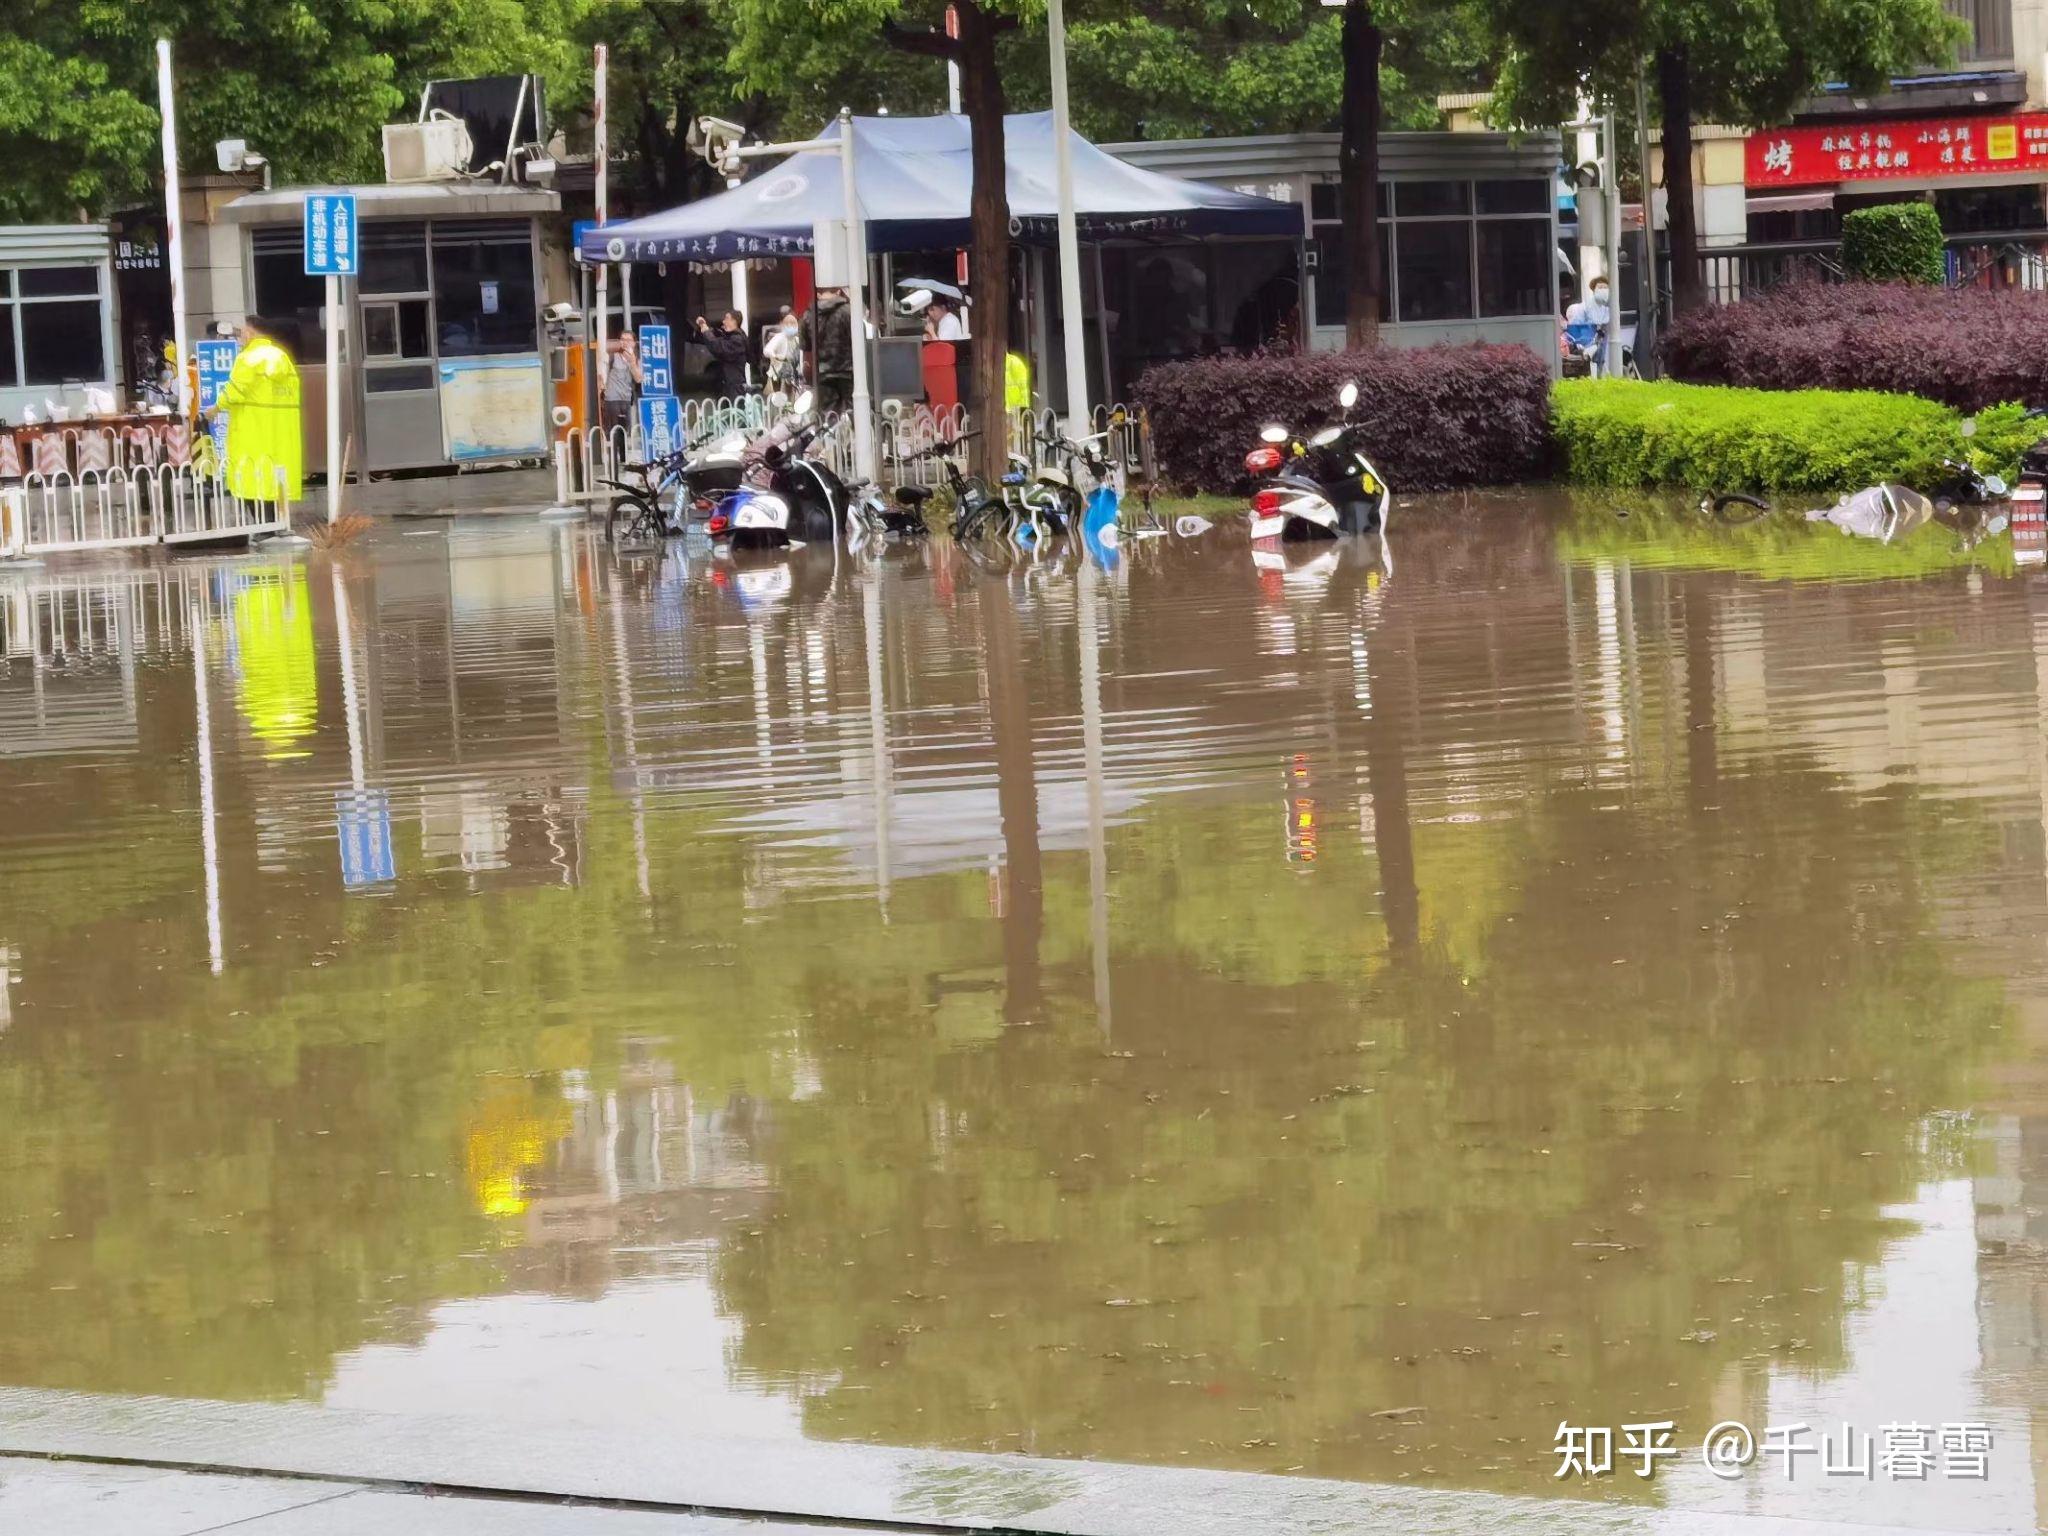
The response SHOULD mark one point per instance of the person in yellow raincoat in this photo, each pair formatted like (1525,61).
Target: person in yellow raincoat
(1016,382)
(264,433)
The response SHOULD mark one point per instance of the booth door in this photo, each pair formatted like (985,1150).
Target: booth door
(395,311)
(401,399)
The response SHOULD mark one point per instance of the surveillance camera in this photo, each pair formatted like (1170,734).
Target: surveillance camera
(916,302)
(561,415)
(719,129)
(562,314)
(233,155)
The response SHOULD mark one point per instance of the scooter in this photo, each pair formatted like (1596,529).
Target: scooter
(1323,487)
(787,498)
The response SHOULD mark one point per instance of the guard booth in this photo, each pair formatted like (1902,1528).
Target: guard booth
(445,351)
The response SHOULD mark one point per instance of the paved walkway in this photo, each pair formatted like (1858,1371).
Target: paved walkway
(60,1498)
(79,1464)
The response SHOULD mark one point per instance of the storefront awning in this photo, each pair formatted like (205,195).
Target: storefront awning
(913,177)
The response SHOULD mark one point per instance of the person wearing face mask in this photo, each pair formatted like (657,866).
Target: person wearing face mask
(1600,315)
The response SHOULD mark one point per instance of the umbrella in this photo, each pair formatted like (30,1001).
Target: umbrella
(932,286)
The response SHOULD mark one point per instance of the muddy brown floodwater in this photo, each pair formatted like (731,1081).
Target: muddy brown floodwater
(1284,1019)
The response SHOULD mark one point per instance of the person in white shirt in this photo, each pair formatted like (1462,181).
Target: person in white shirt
(942,321)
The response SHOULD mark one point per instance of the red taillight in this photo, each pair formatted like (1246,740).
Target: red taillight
(1266,503)
(718,523)
(1262,460)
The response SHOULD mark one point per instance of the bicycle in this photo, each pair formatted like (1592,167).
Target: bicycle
(635,516)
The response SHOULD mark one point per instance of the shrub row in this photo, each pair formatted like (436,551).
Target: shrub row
(1437,417)
(1895,243)
(1615,432)
(1969,348)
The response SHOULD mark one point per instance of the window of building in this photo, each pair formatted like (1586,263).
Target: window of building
(483,289)
(1433,267)
(1451,250)
(287,301)
(1326,239)
(394,258)
(52,326)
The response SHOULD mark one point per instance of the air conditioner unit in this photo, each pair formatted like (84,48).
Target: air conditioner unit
(436,150)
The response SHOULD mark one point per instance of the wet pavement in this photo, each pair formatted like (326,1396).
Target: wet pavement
(1296,1019)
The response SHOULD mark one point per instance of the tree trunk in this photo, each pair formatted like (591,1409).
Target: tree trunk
(1359,163)
(983,101)
(1674,87)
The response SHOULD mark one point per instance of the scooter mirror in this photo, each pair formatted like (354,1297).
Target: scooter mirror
(1969,426)
(1327,436)
(802,404)
(1349,397)
(1272,434)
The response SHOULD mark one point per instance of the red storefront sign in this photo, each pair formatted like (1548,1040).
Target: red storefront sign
(1911,149)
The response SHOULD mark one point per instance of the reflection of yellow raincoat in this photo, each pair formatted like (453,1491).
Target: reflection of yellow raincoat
(279,683)
(1016,382)
(262,402)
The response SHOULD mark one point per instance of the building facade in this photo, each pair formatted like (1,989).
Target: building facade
(1467,224)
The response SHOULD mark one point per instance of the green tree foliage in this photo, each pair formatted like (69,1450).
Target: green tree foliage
(1208,68)
(1894,242)
(776,41)
(307,85)
(1747,63)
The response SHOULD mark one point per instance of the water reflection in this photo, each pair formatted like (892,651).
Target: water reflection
(888,993)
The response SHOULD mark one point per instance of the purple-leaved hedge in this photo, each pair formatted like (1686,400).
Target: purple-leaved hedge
(1436,417)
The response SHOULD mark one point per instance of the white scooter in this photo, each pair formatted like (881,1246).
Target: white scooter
(1321,488)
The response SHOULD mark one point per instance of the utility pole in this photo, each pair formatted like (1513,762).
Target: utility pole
(174,225)
(601,150)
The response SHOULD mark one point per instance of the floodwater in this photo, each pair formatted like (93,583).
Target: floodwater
(1302,1019)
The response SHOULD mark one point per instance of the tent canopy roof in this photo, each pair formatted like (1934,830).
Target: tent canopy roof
(913,176)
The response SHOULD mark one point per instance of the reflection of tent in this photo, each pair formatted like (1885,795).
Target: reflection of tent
(914,175)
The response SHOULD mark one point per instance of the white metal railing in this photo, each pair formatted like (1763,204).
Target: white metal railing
(585,458)
(66,510)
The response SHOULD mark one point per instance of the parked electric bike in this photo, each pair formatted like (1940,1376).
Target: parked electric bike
(1321,487)
(787,497)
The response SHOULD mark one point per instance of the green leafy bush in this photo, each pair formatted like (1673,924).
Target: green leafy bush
(1894,242)
(1617,432)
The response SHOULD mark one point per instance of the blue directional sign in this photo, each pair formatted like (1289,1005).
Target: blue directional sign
(331,245)
(657,361)
(577,231)
(362,820)
(661,425)
(216,361)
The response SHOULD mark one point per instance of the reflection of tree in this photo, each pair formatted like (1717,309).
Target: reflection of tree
(1583,1175)
(1009,714)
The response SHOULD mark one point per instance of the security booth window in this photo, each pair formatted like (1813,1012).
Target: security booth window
(52,326)
(484,288)
(1449,250)
(393,257)
(288,302)
(1326,239)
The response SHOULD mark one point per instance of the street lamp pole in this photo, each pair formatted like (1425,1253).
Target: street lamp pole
(1078,416)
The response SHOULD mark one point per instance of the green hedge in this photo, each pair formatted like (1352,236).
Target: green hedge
(1895,242)
(1616,432)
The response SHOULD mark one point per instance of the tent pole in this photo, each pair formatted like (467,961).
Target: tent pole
(1074,346)
(857,303)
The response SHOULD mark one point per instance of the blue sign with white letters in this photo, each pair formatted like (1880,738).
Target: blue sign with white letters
(661,425)
(577,231)
(657,361)
(362,820)
(331,245)
(216,361)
